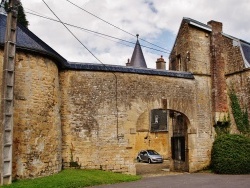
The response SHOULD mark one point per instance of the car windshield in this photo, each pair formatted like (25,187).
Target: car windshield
(152,152)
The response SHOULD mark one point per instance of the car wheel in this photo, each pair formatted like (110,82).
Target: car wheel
(138,159)
(149,161)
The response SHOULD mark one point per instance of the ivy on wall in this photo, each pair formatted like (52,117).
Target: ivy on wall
(240,116)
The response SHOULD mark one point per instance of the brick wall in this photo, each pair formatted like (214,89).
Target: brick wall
(218,63)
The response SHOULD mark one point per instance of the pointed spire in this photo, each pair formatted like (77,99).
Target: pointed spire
(137,59)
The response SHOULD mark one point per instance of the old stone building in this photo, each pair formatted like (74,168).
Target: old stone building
(99,116)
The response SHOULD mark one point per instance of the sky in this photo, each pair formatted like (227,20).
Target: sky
(156,21)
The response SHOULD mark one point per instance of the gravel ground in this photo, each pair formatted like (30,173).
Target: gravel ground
(155,169)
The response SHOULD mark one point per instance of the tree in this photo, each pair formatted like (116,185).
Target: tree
(21,17)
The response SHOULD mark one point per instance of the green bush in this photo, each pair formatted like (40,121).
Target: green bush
(240,116)
(231,154)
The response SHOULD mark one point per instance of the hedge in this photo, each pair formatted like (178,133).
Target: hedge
(231,154)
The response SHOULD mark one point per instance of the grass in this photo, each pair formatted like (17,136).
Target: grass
(72,178)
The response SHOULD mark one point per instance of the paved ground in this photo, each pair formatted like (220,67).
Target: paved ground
(186,180)
(158,176)
(145,169)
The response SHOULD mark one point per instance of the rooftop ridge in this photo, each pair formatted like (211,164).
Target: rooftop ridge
(127,69)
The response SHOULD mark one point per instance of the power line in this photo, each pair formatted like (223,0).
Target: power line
(72,33)
(113,25)
(45,17)
(116,82)
(100,18)
(154,45)
(98,33)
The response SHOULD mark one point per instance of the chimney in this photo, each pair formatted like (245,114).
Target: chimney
(128,63)
(216,26)
(160,63)
(218,69)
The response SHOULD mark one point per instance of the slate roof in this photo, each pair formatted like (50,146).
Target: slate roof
(26,40)
(137,59)
(128,69)
(246,51)
(197,24)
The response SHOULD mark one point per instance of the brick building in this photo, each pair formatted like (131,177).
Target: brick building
(99,117)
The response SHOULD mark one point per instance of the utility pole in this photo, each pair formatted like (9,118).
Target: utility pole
(7,98)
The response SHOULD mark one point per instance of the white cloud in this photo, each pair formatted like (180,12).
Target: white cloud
(150,18)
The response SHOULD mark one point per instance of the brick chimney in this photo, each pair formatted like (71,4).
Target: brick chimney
(128,63)
(216,26)
(160,63)
(219,90)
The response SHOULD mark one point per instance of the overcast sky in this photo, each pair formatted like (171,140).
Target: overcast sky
(156,21)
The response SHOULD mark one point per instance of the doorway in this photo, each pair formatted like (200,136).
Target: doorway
(179,141)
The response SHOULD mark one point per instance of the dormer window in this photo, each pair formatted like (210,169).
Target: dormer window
(179,66)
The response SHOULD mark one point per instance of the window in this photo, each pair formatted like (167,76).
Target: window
(179,67)
(177,64)
(158,120)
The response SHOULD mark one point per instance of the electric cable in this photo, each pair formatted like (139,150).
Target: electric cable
(46,17)
(113,25)
(99,33)
(116,82)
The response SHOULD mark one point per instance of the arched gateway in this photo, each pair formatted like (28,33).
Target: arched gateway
(168,135)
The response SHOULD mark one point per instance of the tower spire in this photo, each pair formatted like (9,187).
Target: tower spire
(137,59)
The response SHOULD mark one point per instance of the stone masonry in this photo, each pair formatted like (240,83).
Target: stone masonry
(37,123)
(93,135)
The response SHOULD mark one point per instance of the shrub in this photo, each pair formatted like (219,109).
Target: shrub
(231,154)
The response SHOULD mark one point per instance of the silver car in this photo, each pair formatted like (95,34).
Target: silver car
(150,156)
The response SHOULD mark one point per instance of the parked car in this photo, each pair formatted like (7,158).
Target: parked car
(150,156)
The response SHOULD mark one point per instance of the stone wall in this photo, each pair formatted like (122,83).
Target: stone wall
(178,57)
(204,137)
(94,137)
(37,124)
(193,47)
(199,49)
(201,133)
(237,77)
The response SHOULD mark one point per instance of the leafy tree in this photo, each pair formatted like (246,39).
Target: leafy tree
(21,17)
